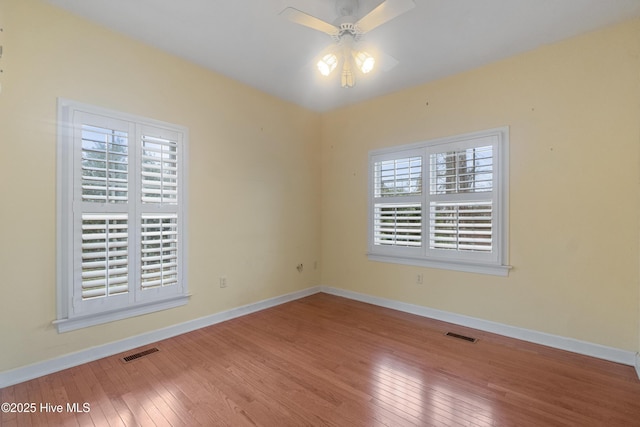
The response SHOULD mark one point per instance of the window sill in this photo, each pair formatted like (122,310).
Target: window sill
(71,324)
(468,267)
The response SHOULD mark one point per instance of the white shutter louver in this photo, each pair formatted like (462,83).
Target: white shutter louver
(159,250)
(105,261)
(159,170)
(104,176)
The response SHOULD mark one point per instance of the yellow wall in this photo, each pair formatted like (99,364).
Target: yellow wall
(574,117)
(253,169)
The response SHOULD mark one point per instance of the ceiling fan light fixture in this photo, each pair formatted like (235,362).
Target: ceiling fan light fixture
(347,31)
(327,64)
(364,61)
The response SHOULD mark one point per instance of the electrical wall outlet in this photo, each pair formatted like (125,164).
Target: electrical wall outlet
(419,279)
(223,282)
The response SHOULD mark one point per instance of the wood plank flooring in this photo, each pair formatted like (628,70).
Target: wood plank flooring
(328,361)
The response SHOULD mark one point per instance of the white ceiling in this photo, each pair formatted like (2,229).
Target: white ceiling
(248,41)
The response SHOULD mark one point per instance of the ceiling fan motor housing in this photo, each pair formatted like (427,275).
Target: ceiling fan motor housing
(348,28)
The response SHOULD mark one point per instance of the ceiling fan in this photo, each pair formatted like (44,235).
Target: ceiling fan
(346,32)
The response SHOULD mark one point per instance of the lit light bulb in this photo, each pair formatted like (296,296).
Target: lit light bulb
(327,64)
(364,61)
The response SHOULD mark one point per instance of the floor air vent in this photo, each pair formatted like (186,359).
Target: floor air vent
(461,337)
(135,356)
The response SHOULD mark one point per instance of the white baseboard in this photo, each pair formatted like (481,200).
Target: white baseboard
(39,369)
(576,346)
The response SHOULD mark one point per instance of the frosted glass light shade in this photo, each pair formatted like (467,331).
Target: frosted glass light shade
(364,61)
(327,64)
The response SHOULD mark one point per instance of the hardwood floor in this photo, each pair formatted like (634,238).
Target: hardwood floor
(328,361)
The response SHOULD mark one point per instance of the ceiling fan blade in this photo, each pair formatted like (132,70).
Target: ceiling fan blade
(385,12)
(299,17)
(387,62)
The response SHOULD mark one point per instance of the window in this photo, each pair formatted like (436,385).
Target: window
(442,203)
(121,215)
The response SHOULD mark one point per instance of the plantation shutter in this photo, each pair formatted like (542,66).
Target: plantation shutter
(127,213)
(159,170)
(461,226)
(102,212)
(160,222)
(105,258)
(461,203)
(398,204)
(104,179)
(104,170)
(442,203)
(159,250)
(121,223)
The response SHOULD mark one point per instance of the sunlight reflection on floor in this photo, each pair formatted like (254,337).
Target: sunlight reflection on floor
(406,391)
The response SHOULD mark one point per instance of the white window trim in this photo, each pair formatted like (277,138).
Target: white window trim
(421,257)
(66,318)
